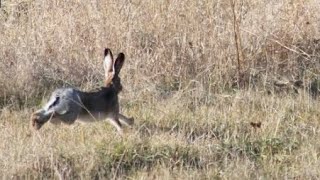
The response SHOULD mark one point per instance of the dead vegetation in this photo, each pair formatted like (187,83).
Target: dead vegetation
(220,89)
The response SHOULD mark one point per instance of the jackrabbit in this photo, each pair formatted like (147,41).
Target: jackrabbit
(68,104)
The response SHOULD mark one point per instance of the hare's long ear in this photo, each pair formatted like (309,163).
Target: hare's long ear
(119,63)
(108,66)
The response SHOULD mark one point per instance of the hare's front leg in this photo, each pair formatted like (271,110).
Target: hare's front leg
(125,120)
(114,120)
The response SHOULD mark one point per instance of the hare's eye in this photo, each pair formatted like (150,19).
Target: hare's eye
(55,102)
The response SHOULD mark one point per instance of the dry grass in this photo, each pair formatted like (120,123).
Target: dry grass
(191,88)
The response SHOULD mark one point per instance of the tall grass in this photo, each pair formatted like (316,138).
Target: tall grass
(197,73)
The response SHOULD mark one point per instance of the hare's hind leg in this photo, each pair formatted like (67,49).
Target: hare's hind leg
(55,121)
(39,118)
(128,121)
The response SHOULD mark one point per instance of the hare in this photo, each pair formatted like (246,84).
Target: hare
(67,105)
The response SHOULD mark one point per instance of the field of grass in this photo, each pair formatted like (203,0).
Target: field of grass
(214,87)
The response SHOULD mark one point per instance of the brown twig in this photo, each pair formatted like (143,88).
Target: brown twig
(237,40)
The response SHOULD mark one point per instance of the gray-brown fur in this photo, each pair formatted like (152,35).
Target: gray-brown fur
(68,104)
